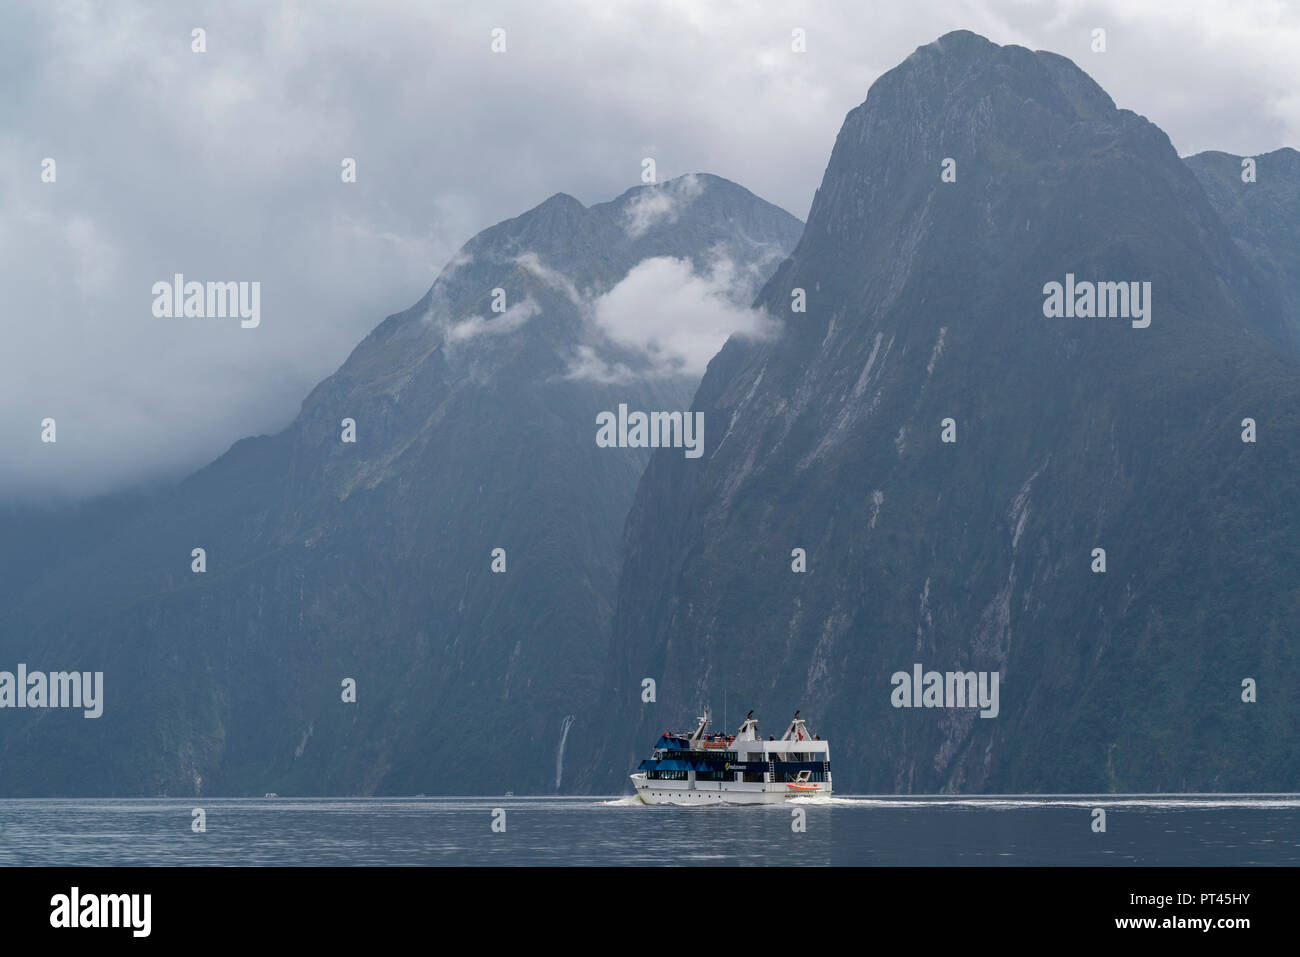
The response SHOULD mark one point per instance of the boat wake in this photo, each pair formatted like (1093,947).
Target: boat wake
(628,800)
(1266,802)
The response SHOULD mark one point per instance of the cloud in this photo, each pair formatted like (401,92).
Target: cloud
(656,205)
(672,317)
(666,317)
(508,321)
(587,365)
(225,166)
(556,280)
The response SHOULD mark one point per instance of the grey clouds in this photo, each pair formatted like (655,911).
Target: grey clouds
(225,166)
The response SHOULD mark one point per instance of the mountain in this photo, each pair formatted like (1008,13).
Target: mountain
(1262,215)
(926,300)
(326,560)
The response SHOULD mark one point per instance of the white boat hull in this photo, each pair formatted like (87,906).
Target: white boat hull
(695,794)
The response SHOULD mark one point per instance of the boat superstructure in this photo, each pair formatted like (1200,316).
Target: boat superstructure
(703,767)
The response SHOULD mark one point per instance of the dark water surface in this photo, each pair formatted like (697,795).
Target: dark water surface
(1140,830)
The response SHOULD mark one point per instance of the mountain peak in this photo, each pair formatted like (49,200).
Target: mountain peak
(559,201)
(959,68)
(956,42)
(1003,117)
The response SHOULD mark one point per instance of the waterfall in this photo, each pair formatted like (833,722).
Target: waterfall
(559,753)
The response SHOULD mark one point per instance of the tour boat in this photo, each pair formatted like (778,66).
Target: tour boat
(704,767)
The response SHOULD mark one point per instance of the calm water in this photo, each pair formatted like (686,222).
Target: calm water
(1155,830)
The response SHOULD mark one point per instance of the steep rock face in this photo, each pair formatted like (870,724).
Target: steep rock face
(372,560)
(925,301)
(1263,217)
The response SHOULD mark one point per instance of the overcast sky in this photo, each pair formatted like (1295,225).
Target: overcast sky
(225,165)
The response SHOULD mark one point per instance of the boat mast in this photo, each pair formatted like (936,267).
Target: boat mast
(797,730)
(704,723)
